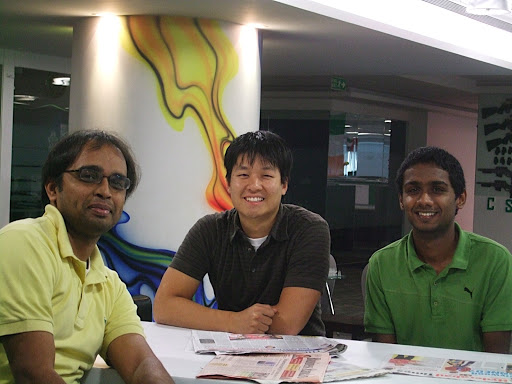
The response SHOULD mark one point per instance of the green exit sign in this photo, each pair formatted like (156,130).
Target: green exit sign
(338,83)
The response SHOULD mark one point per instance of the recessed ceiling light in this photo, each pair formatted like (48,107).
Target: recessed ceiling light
(62,81)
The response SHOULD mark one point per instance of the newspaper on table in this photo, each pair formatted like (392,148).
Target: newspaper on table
(266,369)
(236,343)
(340,370)
(456,369)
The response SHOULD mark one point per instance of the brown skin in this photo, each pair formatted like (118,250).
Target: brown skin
(430,204)
(89,210)
(256,192)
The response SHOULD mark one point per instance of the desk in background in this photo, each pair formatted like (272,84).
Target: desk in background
(173,347)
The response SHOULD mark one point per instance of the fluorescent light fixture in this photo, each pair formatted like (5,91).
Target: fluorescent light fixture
(421,22)
(488,7)
(24,98)
(62,81)
(387,121)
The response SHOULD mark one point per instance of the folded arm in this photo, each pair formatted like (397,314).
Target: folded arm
(384,338)
(135,362)
(32,357)
(497,342)
(291,318)
(174,306)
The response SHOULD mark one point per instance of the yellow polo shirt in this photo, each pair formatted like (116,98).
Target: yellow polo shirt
(44,287)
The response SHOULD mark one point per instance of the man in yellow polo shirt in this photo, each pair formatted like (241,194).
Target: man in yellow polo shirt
(60,305)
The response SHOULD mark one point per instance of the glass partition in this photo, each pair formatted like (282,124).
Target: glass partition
(344,169)
(40,118)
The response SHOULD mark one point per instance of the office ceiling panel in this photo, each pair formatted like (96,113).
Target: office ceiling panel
(296,44)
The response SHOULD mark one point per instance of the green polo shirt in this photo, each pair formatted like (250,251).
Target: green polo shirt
(473,294)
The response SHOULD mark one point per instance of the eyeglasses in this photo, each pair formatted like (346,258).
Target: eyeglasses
(95,176)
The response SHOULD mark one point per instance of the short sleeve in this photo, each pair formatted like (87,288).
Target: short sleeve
(122,318)
(192,255)
(497,311)
(309,261)
(28,272)
(377,316)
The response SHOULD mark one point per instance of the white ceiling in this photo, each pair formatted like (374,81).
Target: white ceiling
(300,49)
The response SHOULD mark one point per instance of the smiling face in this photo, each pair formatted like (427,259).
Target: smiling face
(256,190)
(90,210)
(428,199)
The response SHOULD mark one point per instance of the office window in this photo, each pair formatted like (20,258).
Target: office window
(40,119)
(359,147)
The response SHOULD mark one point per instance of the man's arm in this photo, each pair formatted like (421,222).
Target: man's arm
(134,360)
(32,357)
(497,342)
(384,338)
(291,318)
(173,305)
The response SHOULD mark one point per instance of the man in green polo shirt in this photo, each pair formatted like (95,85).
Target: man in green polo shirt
(439,286)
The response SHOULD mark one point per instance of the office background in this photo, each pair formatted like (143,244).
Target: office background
(430,93)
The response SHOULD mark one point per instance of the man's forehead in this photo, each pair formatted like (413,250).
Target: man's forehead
(426,173)
(246,161)
(93,150)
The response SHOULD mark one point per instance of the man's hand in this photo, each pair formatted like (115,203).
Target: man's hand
(255,319)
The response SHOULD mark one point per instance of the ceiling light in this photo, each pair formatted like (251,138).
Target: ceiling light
(24,98)
(387,121)
(62,81)
(488,7)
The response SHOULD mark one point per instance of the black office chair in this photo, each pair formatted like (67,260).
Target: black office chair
(144,307)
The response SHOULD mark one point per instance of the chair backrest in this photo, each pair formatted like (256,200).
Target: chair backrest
(326,299)
(363,282)
(144,307)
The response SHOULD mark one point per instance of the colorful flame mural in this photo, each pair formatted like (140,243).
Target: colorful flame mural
(141,269)
(193,61)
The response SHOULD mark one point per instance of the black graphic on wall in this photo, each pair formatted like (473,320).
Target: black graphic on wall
(498,140)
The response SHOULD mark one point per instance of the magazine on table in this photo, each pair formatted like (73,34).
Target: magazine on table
(457,369)
(268,368)
(235,343)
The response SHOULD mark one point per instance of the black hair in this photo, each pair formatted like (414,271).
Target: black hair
(67,150)
(439,157)
(267,145)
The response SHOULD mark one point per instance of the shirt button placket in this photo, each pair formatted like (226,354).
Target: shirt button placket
(434,299)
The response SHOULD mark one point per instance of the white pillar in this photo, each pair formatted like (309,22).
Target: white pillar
(179,90)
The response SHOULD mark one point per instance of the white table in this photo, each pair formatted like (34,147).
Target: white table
(173,347)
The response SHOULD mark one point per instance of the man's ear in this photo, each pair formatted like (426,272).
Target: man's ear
(51,191)
(461,200)
(284,188)
(401,201)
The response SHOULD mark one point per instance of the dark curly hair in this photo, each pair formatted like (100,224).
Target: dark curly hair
(66,151)
(439,157)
